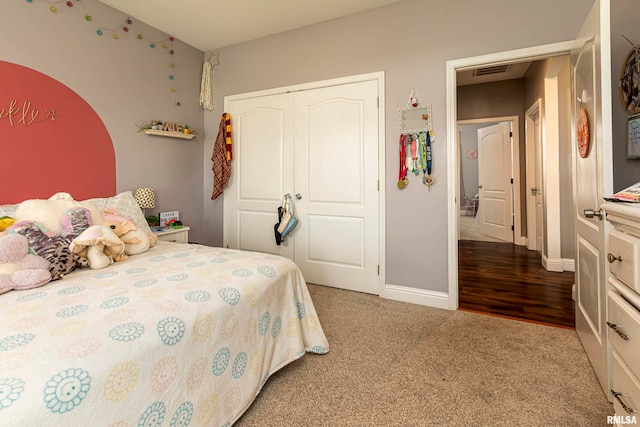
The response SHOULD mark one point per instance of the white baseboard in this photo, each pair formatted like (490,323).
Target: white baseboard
(425,297)
(558,264)
(568,264)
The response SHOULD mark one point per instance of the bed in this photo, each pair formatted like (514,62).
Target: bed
(182,334)
(179,335)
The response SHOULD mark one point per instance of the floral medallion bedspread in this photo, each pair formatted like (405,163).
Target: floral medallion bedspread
(181,335)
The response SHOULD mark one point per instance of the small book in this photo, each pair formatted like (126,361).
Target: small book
(630,194)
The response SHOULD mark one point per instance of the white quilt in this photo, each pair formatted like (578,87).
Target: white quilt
(181,335)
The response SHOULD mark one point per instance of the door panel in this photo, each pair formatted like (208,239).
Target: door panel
(261,172)
(322,146)
(494,179)
(337,137)
(593,179)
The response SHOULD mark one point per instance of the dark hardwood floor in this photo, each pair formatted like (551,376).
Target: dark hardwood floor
(509,280)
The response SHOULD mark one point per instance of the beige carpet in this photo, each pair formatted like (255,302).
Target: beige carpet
(398,364)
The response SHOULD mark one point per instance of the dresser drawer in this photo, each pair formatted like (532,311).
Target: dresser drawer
(625,387)
(624,330)
(624,258)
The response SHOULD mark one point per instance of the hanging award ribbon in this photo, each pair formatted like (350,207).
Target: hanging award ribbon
(428,179)
(402,170)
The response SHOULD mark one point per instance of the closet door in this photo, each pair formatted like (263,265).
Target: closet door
(261,172)
(336,180)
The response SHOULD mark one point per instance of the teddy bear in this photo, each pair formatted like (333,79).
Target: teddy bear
(18,268)
(99,245)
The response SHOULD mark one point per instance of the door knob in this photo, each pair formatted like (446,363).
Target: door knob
(590,213)
(298,196)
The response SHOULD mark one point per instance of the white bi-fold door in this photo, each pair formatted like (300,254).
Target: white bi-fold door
(321,146)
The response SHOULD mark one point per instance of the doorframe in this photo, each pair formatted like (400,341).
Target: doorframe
(379,77)
(518,239)
(453,66)
(530,130)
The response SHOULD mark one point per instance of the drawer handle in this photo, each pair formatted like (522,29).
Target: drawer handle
(618,331)
(612,258)
(627,409)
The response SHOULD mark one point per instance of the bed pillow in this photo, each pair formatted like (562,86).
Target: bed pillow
(50,213)
(8,210)
(127,208)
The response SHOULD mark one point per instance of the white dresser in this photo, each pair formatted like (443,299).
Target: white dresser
(623,307)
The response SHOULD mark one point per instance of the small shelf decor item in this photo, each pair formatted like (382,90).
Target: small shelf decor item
(168,129)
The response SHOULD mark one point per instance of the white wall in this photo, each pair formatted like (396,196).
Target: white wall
(126,82)
(410,41)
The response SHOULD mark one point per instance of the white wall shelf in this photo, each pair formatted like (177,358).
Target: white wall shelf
(169,134)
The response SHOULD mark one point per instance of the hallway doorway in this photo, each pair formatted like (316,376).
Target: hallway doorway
(504,278)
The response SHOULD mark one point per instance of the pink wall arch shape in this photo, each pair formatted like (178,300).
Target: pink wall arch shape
(51,140)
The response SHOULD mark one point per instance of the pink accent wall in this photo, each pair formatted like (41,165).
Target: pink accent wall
(69,151)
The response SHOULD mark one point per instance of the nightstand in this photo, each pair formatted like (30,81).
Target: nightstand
(177,235)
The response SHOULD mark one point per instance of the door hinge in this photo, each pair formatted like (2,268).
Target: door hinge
(512,180)
(511,134)
(378,185)
(512,228)
(378,102)
(378,269)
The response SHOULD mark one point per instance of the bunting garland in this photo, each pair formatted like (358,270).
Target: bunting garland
(121,30)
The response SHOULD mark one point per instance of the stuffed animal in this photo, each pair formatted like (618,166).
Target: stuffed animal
(99,244)
(54,249)
(5,223)
(18,268)
(136,241)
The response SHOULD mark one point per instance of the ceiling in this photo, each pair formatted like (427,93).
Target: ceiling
(212,24)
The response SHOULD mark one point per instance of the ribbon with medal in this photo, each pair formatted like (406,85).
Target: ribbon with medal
(402,171)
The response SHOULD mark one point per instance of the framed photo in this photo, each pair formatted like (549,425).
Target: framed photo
(633,137)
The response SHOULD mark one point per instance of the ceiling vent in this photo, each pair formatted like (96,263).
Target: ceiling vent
(498,69)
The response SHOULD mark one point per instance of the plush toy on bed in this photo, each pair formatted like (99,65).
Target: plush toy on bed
(18,268)
(100,245)
(55,247)
(136,241)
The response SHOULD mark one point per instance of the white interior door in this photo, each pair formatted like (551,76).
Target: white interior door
(320,145)
(261,172)
(591,70)
(336,135)
(495,182)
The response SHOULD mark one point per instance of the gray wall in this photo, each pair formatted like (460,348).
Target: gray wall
(498,99)
(624,20)
(469,141)
(126,82)
(410,41)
